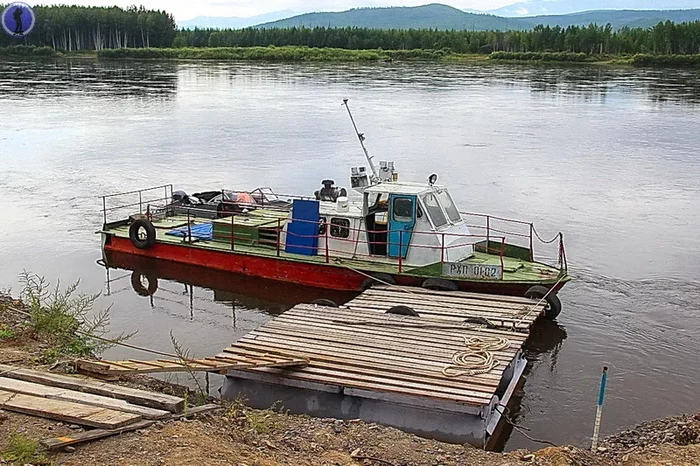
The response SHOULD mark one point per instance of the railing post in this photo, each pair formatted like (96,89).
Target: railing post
(104,209)
(140,203)
(279,235)
(328,259)
(401,251)
(233,242)
(532,251)
(488,233)
(166,192)
(503,248)
(189,228)
(442,249)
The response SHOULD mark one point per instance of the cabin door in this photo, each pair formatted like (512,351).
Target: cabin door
(402,220)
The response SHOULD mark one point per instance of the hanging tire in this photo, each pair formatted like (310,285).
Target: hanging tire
(137,283)
(324,302)
(553,307)
(145,239)
(440,284)
(403,311)
(378,280)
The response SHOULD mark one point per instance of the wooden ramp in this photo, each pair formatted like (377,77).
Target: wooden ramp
(218,364)
(379,355)
(507,312)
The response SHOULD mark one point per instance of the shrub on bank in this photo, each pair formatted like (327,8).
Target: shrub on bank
(666,60)
(541,56)
(26,51)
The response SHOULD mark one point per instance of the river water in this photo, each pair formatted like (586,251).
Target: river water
(608,156)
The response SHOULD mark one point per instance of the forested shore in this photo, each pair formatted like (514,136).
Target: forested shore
(149,34)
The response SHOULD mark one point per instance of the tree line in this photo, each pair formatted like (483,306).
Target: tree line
(664,38)
(73,28)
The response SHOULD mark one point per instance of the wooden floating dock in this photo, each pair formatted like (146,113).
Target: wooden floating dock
(388,368)
(219,364)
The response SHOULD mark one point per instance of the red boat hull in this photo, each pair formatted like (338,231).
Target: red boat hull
(303,273)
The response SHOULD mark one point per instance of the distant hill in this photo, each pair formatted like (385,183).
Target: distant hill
(437,16)
(565,7)
(618,19)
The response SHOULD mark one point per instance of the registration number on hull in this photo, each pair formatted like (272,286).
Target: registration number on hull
(478,271)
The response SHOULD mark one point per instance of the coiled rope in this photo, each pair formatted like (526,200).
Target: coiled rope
(478,358)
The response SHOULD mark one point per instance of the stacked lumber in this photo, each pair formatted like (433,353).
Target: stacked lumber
(110,409)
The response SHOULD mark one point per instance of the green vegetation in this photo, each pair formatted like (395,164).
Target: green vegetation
(23,450)
(544,56)
(666,60)
(65,319)
(27,50)
(249,53)
(73,28)
(6,333)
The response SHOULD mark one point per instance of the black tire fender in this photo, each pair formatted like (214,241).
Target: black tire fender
(142,242)
(137,279)
(324,302)
(440,284)
(378,280)
(553,308)
(403,311)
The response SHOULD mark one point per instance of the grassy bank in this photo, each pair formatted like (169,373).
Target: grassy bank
(314,54)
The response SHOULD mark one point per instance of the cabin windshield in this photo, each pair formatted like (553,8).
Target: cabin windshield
(434,210)
(449,205)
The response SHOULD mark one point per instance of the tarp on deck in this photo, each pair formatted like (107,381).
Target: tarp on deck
(203,231)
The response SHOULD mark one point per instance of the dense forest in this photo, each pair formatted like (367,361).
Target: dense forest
(70,28)
(664,38)
(94,28)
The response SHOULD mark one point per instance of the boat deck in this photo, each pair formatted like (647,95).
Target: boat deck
(516,270)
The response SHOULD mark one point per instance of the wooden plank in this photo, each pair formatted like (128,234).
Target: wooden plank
(453,304)
(465,294)
(374,340)
(396,326)
(45,391)
(66,411)
(434,377)
(381,305)
(87,436)
(337,315)
(493,301)
(140,397)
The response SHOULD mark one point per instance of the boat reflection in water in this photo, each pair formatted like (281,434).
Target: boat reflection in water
(275,297)
(271,296)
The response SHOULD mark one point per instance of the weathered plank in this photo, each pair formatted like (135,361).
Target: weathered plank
(66,411)
(45,391)
(95,434)
(141,397)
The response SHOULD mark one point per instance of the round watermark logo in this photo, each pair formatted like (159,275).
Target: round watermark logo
(18,19)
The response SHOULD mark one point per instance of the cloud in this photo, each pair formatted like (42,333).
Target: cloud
(187,9)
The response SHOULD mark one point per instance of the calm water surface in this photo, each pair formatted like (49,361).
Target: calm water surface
(608,156)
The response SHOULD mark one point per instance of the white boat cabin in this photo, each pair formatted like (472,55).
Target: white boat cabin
(418,224)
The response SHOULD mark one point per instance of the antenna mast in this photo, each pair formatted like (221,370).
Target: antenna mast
(361,137)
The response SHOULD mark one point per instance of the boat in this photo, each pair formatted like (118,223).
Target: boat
(386,231)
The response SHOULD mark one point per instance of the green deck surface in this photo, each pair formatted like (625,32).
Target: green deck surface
(514,270)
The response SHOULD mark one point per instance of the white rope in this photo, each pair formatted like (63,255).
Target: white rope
(478,358)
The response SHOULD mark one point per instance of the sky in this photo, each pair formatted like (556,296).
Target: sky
(187,9)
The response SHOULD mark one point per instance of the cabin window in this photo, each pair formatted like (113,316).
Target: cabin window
(403,209)
(322,226)
(434,210)
(340,228)
(450,208)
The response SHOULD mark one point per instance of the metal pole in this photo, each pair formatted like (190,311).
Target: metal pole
(140,203)
(232,241)
(532,252)
(189,228)
(599,409)
(488,233)
(279,234)
(104,209)
(442,249)
(401,251)
(327,256)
